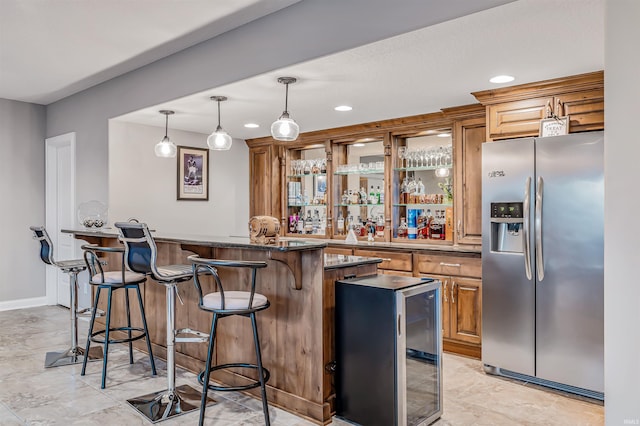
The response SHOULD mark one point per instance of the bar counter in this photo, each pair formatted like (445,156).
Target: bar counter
(296,331)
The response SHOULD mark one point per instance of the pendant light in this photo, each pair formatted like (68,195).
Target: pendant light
(165,148)
(285,128)
(219,140)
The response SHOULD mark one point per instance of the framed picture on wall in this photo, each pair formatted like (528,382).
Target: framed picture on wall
(193,173)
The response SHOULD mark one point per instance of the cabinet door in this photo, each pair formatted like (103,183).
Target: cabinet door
(585,109)
(516,119)
(262,197)
(469,136)
(466,309)
(446,305)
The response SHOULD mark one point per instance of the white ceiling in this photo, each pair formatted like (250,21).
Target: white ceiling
(414,73)
(50,49)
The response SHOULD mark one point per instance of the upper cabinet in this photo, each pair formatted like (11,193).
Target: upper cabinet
(516,111)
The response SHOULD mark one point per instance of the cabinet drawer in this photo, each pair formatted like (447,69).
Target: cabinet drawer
(391,260)
(392,272)
(450,265)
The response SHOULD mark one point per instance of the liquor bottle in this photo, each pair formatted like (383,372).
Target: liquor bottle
(354,197)
(362,195)
(379,196)
(308,223)
(340,226)
(380,227)
(403,230)
(293,223)
(316,222)
(422,225)
(360,228)
(300,223)
(373,198)
(404,189)
(428,224)
(420,187)
(345,197)
(307,168)
(436,228)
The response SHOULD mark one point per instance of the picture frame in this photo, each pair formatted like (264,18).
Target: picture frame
(193,174)
(555,126)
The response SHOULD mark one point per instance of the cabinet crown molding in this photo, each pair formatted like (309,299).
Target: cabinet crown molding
(556,86)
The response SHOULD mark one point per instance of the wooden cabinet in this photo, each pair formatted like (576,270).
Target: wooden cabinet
(516,111)
(391,260)
(461,299)
(264,176)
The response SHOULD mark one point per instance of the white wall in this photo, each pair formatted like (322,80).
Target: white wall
(622,205)
(22,134)
(142,185)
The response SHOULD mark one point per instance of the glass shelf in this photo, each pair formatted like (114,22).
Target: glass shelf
(308,174)
(306,205)
(417,169)
(421,206)
(358,205)
(361,172)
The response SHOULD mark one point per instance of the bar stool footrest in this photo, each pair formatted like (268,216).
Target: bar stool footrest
(123,340)
(252,385)
(199,336)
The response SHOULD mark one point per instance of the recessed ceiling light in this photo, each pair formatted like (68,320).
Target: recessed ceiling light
(502,79)
(444,135)
(251,125)
(358,145)
(343,108)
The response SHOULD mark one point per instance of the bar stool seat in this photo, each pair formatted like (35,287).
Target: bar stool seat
(75,354)
(228,303)
(111,281)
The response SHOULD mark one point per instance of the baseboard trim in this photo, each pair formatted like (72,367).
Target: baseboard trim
(10,305)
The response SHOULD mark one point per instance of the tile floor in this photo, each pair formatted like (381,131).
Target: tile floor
(32,395)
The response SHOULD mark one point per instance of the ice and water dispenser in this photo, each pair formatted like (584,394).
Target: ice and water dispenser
(507,227)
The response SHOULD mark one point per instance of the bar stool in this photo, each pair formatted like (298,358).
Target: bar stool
(75,354)
(141,255)
(226,303)
(110,281)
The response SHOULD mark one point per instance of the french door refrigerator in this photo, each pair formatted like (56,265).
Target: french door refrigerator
(543,259)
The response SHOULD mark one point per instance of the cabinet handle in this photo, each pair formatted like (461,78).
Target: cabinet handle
(453,298)
(453,265)
(444,292)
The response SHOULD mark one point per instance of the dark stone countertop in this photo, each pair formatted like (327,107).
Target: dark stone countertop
(337,261)
(208,240)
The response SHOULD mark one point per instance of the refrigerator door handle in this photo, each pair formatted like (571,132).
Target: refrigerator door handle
(539,258)
(526,228)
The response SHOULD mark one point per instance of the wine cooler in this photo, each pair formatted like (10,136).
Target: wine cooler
(388,350)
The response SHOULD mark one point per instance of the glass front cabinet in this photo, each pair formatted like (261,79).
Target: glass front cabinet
(358,196)
(306,192)
(422,199)
(384,188)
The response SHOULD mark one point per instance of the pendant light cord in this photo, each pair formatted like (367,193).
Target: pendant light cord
(218,113)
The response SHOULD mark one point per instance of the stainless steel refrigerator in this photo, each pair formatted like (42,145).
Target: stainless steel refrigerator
(543,260)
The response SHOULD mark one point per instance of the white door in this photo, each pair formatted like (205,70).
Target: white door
(60,211)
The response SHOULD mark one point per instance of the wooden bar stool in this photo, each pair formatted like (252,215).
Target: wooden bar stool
(111,281)
(141,255)
(75,354)
(227,303)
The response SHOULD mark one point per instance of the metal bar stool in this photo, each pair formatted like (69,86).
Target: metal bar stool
(140,256)
(110,281)
(226,303)
(75,354)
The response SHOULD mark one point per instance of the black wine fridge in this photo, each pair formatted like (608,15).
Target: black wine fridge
(388,350)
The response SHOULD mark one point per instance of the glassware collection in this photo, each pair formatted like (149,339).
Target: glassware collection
(425,158)
(360,168)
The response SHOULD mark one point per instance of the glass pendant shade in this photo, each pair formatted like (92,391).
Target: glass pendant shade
(442,172)
(285,128)
(219,140)
(165,148)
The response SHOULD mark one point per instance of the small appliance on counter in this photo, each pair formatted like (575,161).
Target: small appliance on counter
(388,350)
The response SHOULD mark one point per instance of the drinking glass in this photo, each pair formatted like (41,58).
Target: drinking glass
(402,155)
